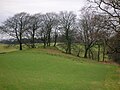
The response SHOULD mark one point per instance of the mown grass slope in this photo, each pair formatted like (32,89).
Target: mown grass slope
(40,69)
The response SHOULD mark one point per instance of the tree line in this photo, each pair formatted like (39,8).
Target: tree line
(97,25)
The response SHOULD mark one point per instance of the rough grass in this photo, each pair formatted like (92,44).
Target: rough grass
(46,69)
(6,48)
(76,47)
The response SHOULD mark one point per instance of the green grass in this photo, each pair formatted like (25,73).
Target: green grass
(41,69)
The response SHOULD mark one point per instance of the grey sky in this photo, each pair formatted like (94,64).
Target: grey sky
(10,7)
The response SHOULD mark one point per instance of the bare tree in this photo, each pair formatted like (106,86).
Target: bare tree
(67,25)
(112,9)
(16,26)
(34,25)
(49,23)
(90,26)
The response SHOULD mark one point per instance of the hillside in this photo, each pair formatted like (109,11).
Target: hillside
(49,69)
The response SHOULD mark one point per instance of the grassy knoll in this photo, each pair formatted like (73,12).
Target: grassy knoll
(41,69)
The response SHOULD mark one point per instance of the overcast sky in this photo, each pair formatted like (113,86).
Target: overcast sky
(10,7)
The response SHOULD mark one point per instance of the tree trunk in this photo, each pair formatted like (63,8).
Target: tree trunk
(86,51)
(49,39)
(68,41)
(20,46)
(104,47)
(48,36)
(55,41)
(44,40)
(89,54)
(98,52)
(69,47)
(85,55)
(20,41)
(78,54)
(33,39)
(92,56)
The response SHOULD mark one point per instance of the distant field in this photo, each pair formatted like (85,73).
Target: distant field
(7,48)
(40,69)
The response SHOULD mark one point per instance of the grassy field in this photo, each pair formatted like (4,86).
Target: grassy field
(49,69)
(7,48)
